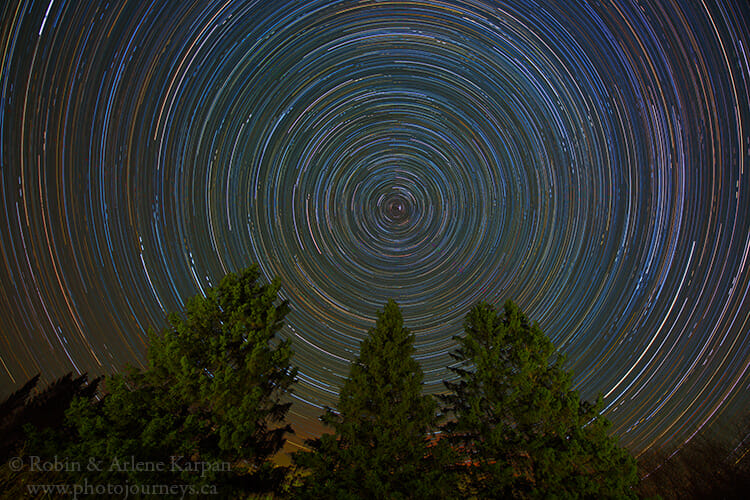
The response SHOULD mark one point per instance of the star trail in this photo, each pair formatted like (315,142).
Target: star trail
(590,161)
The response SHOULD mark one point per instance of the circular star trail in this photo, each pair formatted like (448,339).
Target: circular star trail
(590,161)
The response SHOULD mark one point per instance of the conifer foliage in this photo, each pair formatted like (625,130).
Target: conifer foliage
(380,447)
(523,432)
(212,399)
(223,362)
(216,388)
(45,410)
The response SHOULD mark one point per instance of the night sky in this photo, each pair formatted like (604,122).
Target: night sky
(589,161)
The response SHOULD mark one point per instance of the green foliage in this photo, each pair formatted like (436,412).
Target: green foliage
(45,410)
(210,406)
(37,422)
(211,409)
(522,431)
(223,363)
(381,446)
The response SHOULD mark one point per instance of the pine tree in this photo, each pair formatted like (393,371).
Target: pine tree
(381,446)
(224,362)
(212,398)
(521,429)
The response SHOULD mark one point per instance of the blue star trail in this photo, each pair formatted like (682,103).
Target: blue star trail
(590,161)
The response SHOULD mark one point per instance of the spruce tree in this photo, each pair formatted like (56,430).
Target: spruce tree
(381,446)
(521,429)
